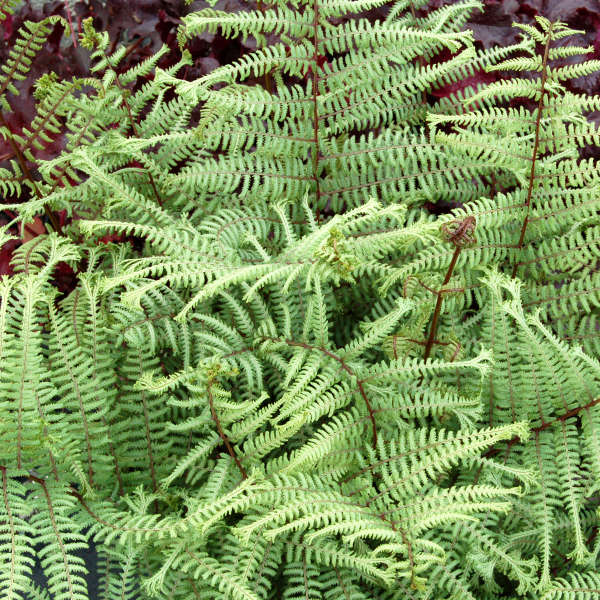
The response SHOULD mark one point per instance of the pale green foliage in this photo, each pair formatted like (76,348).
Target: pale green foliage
(7,7)
(546,225)
(294,381)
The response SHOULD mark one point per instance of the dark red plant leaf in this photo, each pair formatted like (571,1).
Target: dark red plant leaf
(6,254)
(33,229)
(112,237)
(65,278)
(493,27)
(8,27)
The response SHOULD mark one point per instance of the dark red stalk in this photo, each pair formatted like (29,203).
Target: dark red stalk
(438,304)
(23,164)
(536,145)
(222,435)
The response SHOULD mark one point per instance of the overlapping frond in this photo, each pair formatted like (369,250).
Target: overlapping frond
(344,346)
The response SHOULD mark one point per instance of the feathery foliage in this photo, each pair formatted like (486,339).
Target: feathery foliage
(286,377)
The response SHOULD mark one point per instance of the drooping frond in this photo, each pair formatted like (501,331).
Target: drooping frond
(328,337)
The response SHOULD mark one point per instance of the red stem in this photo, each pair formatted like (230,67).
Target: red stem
(345,367)
(222,435)
(23,164)
(315,82)
(438,304)
(536,144)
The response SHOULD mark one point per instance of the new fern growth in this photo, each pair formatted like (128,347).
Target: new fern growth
(285,377)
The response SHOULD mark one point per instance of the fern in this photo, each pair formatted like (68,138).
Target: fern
(287,377)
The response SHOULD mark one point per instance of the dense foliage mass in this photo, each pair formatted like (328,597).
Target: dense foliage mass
(332,333)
